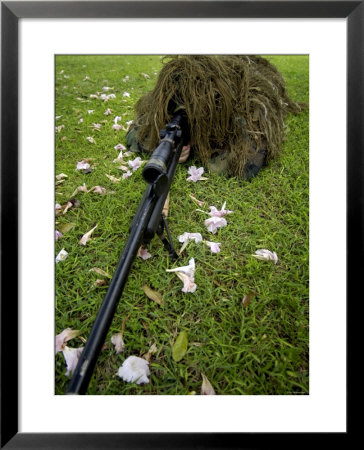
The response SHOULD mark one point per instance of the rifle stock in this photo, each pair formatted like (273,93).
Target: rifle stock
(159,173)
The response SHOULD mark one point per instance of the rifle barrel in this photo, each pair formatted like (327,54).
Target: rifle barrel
(86,364)
(143,228)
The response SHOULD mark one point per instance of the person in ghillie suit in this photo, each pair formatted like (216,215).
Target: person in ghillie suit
(235,107)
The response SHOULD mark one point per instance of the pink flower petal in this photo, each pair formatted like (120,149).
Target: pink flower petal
(264,254)
(58,235)
(186,274)
(62,255)
(118,342)
(134,369)
(195,174)
(85,238)
(135,163)
(214,246)
(190,237)
(64,337)
(82,165)
(71,356)
(120,147)
(214,223)
(143,253)
(214,212)
(98,190)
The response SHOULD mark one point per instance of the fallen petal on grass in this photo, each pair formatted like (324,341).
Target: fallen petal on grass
(186,274)
(58,235)
(134,370)
(188,283)
(120,159)
(198,202)
(118,342)
(61,176)
(143,253)
(187,237)
(66,207)
(82,165)
(120,147)
(214,223)
(214,246)
(71,356)
(214,212)
(82,188)
(59,128)
(112,178)
(127,174)
(150,352)
(190,237)
(85,238)
(135,163)
(267,255)
(65,336)
(98,190)
(62,255)
(196,174)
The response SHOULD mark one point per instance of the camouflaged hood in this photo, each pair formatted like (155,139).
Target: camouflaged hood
(234,104)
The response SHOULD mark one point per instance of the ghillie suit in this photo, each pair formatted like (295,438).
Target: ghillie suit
(235,105)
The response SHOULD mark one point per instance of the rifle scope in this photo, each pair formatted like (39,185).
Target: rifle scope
(170,138)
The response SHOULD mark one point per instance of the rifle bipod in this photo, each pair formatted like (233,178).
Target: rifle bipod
(167,241)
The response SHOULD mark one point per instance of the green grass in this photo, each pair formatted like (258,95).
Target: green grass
(253,350)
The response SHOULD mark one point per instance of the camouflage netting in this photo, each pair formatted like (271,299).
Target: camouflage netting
(233,103)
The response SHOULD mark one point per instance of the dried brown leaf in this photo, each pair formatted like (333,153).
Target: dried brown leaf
(100,272)
(206,388)
(152,295)
(198,202)
(248,298)
(66,227)
(150,352)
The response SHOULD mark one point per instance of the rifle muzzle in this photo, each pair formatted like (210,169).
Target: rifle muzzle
(170,138)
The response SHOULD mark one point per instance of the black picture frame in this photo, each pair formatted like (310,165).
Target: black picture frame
(11,12)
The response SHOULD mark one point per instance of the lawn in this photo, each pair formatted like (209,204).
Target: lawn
(255,349)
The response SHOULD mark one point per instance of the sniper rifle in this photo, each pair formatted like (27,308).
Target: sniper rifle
(148,221)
